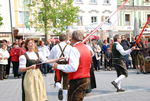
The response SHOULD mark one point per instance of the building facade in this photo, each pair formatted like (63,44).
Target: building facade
(95,12)
(20,17)
(92,13)
(5,28)
(134,10)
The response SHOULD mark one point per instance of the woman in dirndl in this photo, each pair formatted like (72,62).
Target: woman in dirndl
(33,87)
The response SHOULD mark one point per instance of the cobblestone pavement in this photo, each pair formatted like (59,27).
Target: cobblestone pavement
(137,88)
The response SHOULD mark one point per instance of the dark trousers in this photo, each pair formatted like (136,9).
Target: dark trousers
(78,89)
(126,57)
(133,60)
(43,68)
(2,71)
(96,63)
(92,78)
(15,68)
(8,67)
(107,63)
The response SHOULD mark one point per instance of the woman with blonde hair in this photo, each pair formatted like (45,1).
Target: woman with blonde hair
(33,87)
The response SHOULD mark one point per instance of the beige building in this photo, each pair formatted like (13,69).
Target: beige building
(134,9)
(5,29)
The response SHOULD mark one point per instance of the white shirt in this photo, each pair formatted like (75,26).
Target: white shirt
(43,52)
(23,61)
(56,52)
(74,58)
(4,53)
(73,61)
(121,50)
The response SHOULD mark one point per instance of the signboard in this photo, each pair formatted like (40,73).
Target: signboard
(5,14)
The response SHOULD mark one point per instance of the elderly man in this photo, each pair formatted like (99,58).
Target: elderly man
(78,68)
(119,63)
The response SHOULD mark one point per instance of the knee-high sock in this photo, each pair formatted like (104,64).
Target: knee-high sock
(119,84)
(58,85)
(120,78)
(65,95)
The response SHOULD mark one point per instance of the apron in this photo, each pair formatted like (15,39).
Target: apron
(33,86)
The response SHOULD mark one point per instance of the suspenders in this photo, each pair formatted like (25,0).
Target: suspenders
(62,54)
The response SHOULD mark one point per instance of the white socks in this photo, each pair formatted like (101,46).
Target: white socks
(118,80)
(119,84)
(58,85)
(65,92)
(65,95)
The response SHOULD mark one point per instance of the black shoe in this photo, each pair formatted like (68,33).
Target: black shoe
(60,94)
(115,84)
(120,90)
(5,77)
(144,72)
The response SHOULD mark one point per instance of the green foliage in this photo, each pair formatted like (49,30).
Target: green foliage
(52,15)
(1,19)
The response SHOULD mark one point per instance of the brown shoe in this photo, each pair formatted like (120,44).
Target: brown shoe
(120,90)
(115,84)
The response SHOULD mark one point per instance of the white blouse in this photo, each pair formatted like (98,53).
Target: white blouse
(23,61)
(4,53)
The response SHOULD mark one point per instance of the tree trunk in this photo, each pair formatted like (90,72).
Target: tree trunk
(45,30)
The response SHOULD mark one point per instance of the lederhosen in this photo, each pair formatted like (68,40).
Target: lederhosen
(29,63)
(59,74)
(79,81)
(77,89)
(118,62)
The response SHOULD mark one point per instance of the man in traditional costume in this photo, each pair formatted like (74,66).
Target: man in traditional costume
(62,49)
(119,63)
(78,68)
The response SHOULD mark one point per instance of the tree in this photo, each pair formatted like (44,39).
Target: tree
(66,15)
(1,19)
(52,15)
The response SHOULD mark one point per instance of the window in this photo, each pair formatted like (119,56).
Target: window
(127,19)
(78,0)
(93,19)
(23,17)
(23,3)
(106,1)
(80,21)
(93,1)
(105,19)
(108,21)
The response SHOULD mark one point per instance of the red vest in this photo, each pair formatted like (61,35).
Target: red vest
(83,70)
